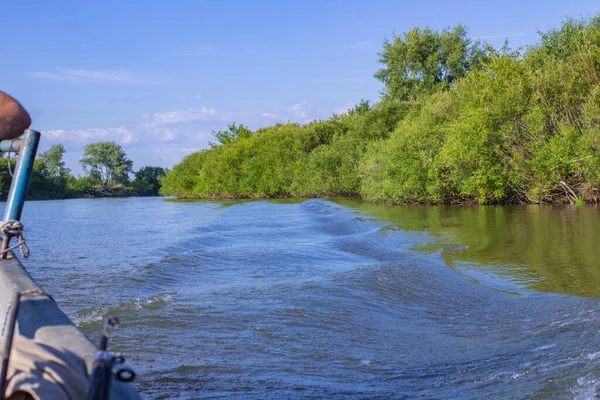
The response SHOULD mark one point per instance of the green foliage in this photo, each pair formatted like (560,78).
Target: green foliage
(423,61)
(147,180)
(180,180)
(458,122)
(106,163)
(5,177)
(51,179)
(48,178)
(232,134)
(53,158)
(50,175)
(261,165)
(362,107)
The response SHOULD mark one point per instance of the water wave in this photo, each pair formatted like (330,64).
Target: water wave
(319,299)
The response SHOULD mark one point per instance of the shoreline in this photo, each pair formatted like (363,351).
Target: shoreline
(564,200)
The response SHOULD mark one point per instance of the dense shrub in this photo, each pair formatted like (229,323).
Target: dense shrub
(457,122)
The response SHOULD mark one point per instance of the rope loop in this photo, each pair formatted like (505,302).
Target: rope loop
(10,150)
(14,228)
(11,228)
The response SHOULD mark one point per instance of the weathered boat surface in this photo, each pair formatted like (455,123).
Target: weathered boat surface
(41,319)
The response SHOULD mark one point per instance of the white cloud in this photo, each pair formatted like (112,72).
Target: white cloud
(204,137)
(156,130)
(55,134)
(344,109)
(147,125)
(359,44)
(163,135)
(299,110)
(119,134)
(180,126)
(164,156)
(126,77)
(163,138)
(191,115)
(192,149)
(192,97)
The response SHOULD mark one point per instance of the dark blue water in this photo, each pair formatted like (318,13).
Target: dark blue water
(320,299)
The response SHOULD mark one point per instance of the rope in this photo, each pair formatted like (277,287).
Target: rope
(6,317)
(14,228)
(24,293)
(10,150)
(9,165)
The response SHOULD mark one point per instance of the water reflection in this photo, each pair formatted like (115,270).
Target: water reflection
(224,203)
(540,248)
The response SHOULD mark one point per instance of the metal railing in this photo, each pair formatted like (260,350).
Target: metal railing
(26,146)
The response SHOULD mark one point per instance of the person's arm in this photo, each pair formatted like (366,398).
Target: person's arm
(14,119)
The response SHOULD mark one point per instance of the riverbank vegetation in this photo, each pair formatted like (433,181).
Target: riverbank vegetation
(107,170)
(458,121)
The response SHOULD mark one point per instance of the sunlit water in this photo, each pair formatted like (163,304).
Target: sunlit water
(334,299)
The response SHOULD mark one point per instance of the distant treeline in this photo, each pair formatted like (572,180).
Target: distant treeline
(458,121)
(107,170)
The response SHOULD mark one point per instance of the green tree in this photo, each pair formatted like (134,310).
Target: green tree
(55,165)
(106,163)
(424,61)
(147,180)
(50,176)
(488,127)
(232,134)
(362,107)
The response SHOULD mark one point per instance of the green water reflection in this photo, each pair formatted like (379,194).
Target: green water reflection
(224,203)
(540,248)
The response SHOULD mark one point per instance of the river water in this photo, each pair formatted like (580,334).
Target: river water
(330,298)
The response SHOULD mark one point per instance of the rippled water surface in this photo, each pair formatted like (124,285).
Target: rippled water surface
(331,298)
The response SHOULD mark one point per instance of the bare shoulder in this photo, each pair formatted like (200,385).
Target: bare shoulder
(8,103)
(14,119)
(5,98)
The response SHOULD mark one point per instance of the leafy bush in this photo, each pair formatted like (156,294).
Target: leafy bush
(458,122)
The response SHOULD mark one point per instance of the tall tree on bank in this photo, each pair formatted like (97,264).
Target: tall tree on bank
(50,176)
(55,165)
(147,180)
(423,61)
(107,163)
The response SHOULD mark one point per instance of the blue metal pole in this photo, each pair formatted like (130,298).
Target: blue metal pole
(22,175)
(28,145)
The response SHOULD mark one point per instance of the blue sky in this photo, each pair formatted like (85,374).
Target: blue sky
(159,76)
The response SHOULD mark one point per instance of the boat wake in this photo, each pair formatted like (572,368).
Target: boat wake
(321,299)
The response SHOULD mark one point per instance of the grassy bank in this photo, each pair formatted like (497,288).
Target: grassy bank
(457,122)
